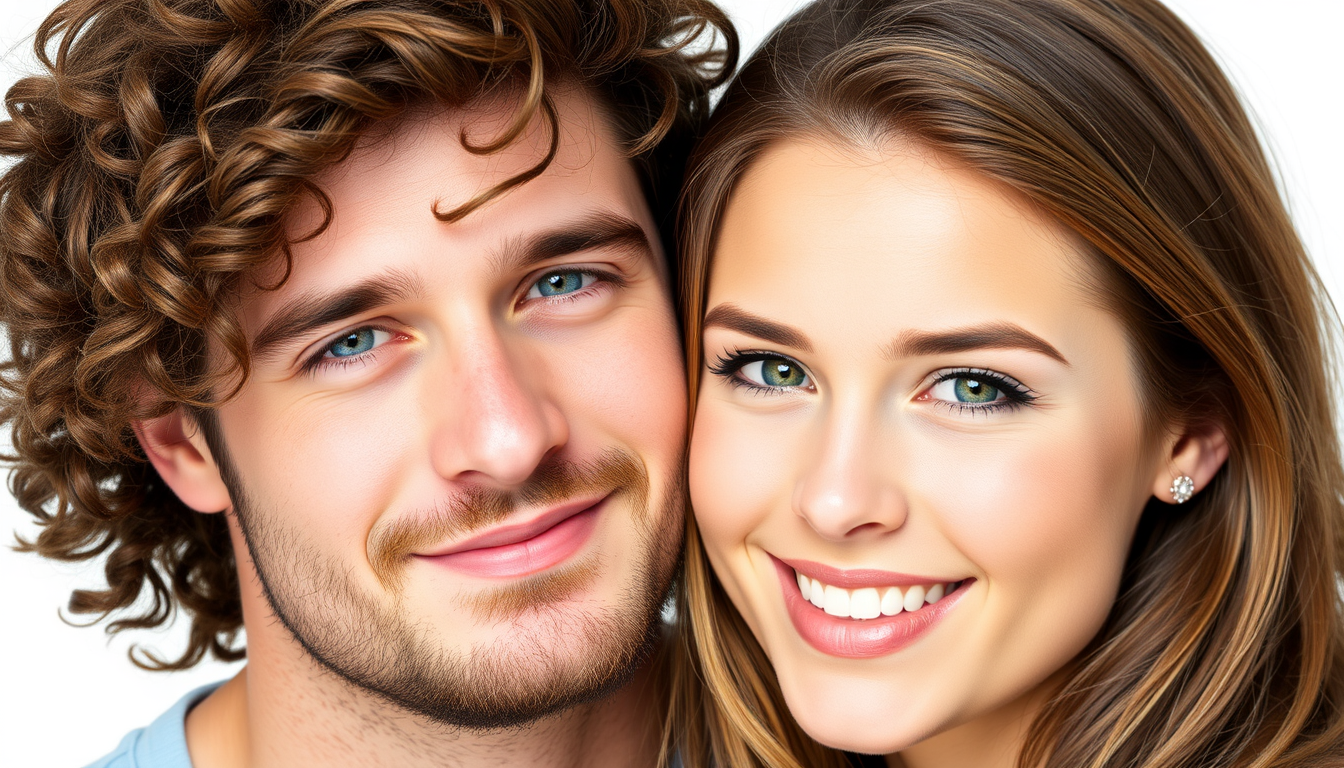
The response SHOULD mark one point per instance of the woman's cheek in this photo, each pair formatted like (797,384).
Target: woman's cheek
(737,472)
(1044,517)
(1005,502)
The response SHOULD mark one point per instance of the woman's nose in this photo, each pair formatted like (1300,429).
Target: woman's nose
(844,491)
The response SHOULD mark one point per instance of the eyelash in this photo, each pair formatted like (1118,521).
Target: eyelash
(1016,394)
(320,360)
(600,277)
(727,365)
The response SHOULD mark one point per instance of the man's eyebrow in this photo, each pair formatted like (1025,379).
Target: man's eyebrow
(314,310)
(599,230)
(734,318)
(989,336)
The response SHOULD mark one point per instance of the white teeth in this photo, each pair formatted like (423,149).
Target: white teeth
(914,598)
(818,594)
(864,604)
(837,601)
(892,601)
(870,602)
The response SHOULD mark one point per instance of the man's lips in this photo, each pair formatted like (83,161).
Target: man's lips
(524,548)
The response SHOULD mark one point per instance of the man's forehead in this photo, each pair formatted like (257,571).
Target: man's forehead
(429,148)
(383,196)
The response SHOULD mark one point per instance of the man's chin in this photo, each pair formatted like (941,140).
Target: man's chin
(485,659)
(504,657)
(539,662)
(546,596)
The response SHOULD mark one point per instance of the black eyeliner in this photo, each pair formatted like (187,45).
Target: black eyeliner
(726,365)
(1016,393)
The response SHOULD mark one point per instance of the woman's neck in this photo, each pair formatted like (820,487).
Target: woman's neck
(993,740)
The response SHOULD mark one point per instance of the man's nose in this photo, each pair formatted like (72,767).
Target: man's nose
(843,491)
(496,420)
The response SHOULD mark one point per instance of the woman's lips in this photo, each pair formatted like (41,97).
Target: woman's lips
(854,578)
(523,549)
(862,638)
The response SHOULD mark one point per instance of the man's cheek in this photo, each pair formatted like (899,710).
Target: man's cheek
(631,381)
(330,464)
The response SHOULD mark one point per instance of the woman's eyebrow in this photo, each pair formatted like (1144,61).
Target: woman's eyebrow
(989,336)
(734,318)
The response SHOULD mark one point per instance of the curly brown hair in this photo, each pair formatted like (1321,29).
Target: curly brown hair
(157,156)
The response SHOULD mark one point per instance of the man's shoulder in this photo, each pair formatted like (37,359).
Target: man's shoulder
(162,743)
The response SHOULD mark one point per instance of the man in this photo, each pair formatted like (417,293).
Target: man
(349,323)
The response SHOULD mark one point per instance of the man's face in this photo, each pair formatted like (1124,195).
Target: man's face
(457,461)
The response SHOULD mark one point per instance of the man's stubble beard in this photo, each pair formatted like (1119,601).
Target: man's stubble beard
(517,679)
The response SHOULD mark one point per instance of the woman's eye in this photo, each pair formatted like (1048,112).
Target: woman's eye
(969,390)
(356,342)
(560,283)
(774,372)
(978,390)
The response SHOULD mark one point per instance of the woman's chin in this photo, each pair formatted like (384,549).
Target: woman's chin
(861,716)
(841,730)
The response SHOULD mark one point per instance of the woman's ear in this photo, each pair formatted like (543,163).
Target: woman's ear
(177,448)
(1197,453)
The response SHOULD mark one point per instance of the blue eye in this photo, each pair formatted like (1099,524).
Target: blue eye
(560,283)
(356,342)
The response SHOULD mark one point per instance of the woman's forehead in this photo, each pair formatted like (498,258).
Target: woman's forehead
(905,240)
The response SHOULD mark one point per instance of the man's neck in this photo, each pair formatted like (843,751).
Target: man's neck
(272,717)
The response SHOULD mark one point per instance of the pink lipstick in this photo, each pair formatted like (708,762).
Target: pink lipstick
(861,638)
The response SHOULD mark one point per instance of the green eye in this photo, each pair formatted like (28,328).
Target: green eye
(975,391)
(782,373)
(774,372)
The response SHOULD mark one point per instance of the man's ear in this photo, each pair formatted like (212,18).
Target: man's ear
(176,447)
(1198,453)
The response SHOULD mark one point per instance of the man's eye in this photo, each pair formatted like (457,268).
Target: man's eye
(774,372)
(356,342)
(561,283)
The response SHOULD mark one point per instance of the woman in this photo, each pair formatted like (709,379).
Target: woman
(1013,441)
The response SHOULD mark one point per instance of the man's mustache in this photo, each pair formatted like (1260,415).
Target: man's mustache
(475,508)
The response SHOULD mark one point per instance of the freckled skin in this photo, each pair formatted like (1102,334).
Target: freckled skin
(874,464)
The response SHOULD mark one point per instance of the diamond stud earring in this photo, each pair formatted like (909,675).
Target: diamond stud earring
(1182,488)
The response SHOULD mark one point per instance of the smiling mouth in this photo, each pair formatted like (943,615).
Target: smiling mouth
(871,602)
(519,550)
(863,613)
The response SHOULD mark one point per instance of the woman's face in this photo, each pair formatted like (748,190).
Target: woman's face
(919,456)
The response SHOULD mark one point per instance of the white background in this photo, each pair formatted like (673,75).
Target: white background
(67,694)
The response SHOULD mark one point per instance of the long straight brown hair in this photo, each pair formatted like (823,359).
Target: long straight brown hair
(1225,646)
